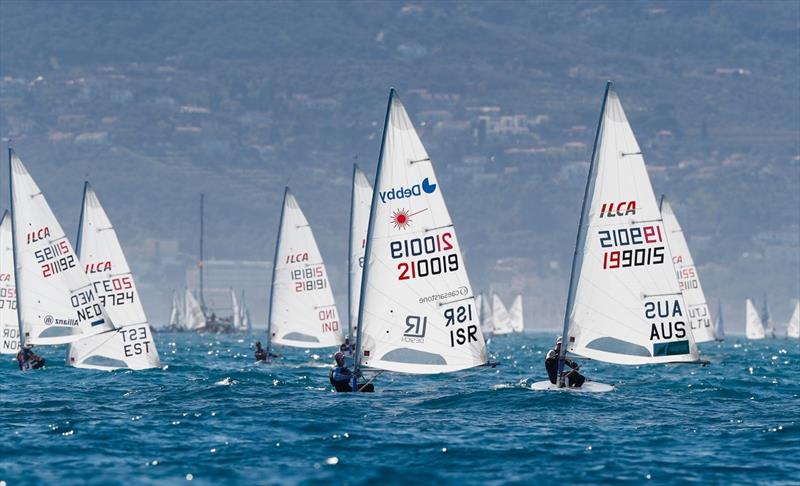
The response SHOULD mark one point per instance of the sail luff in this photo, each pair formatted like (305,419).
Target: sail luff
(370,232)
(274,270)
(580,239)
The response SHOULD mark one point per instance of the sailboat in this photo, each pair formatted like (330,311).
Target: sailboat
(56,302)
(688,276)
(236,312)
(417,312)
(9,323)
(247,326)
(176,316)
(793,327)
(624,304)
(130,345)
(500,317)
(517,319)
(302,311)
(359,220)
(753,325)
(719,325)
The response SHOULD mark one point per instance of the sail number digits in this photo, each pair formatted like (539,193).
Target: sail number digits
(634,257)
(427,265)
(115,291)
(51,260)
(307,279)
(136,341)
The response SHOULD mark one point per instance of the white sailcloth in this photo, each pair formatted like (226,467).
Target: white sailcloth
(176,313)
(302,309)
(500,317)
(359,221)
(131,344)
(719,325)
(517,319)
(793,328)
(9,322)
(56,303)
(236,311)
(753,325)
(418,311)
(193,313)
(625,305)
(245,316)
(688,276)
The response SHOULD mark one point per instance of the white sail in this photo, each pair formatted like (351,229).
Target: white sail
(9,322)
(302,309)
(500,317)
(236,312)
(131,344)
(418,311)
(359,220)
(719,325)
(245,316)
(753,326)
(193,315)
(517,319)
(624,305)
(176,313)
(793,328)
(688,277)
(56,303)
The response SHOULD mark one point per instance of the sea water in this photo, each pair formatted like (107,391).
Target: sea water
(214,416)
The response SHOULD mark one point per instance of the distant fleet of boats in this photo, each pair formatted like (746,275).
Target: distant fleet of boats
(634,295)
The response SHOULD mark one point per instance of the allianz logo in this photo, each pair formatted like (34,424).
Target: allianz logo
(408,192)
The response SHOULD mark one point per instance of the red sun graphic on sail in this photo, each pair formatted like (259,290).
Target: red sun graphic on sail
(401,219)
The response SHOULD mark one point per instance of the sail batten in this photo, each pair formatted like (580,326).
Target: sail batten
(418,312)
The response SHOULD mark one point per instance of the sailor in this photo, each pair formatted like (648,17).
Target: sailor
(571,378)
(346,347)
(342,378)
(27,359)
(261,353)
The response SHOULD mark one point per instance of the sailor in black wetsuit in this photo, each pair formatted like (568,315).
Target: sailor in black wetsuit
(342,378)
(571,378)
(261,353)
(27,359)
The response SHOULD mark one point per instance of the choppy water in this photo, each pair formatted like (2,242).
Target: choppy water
(212,416)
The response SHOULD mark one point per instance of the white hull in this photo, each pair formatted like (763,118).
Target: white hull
(588,387)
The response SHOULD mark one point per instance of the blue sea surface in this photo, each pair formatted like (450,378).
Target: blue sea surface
(214,416)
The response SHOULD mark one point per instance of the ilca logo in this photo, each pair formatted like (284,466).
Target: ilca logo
(415,329)
(401,218)
(408,192)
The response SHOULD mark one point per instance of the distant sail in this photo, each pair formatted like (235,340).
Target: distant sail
(500,317)
(9,322)
(131,345)
(56,302)
(176,313)
(719,325)
(624,304)
(359,220)
(793,328)
(753,326)
(688,276)
(517,318)
(193,314)
(302,309)
(236,311)
(418,310)
(246,325)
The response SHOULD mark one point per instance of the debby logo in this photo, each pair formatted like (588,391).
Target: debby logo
(408,192)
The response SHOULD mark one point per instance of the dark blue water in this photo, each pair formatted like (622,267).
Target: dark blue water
(212,416)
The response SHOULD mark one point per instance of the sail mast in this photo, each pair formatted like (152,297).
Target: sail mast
(274,268)
(368,248)
(350,262)
(201,264)
(582,229)
(13,245)
(80,220)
